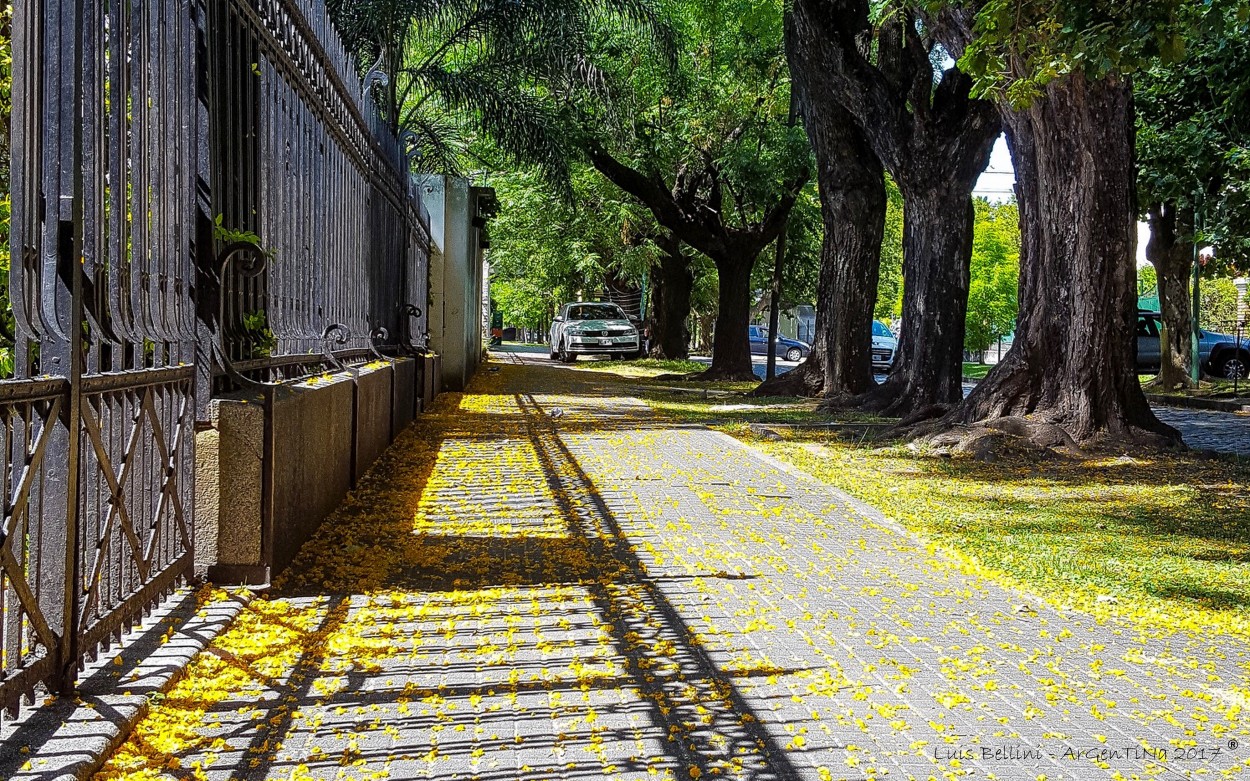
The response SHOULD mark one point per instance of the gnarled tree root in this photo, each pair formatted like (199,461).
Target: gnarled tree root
(1029,436)
(805,380)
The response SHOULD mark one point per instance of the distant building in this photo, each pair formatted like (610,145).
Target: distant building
(799,323)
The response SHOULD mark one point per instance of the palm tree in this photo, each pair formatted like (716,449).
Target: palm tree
(462,71)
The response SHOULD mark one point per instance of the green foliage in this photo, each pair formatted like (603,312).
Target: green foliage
(1018,46)
(546,251)
(260,339)
(470,77)
(1217,304)
(801,267)
(1193,136)
(995,271)
(1147,280)
(718,120)
(227,236)
(890,285)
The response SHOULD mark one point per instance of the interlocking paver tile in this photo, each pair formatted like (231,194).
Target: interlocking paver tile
(555,584)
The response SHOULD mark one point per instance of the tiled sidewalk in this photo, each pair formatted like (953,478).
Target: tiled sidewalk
(560,586)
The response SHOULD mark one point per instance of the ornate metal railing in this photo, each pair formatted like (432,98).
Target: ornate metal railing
(308,170)
(203,195)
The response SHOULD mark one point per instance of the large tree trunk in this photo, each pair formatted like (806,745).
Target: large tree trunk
(852,207)
(1073,361)
(1172,258)
(731,347)
(671,284)
(935,141)
(937,250)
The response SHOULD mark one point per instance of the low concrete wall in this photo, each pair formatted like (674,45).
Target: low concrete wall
(312,461)
(374,408)
(432,373)
(404,395)
(323,434)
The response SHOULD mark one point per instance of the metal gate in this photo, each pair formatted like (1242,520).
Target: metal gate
(202,196)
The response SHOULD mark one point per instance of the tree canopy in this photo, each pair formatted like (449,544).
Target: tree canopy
(546,251)
(460,73)
(1193,136)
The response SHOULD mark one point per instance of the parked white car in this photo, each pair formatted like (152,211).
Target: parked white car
(884,346)
(586,328)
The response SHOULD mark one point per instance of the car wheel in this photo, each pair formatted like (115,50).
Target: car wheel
(554,353)
(794,355)
(565,355)
(1234,367)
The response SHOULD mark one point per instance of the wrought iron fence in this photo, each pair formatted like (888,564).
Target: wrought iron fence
(202,195)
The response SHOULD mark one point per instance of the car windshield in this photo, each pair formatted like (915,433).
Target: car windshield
(879,329)
(596,312)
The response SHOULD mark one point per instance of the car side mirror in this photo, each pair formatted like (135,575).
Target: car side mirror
(558,320)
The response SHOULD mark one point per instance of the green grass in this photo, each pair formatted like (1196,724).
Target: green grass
(643,367)
(1168,537)
(976,371)
(1208,388)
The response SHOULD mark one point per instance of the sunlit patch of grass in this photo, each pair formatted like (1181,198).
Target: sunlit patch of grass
(1208,388)
(976,371)
(1165,540)
(643,367)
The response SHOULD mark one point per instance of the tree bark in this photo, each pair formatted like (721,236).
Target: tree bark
(937,250)
(852,207)
(1172,258)
(1073,361)
(672,282)
(731,346)
(935,141)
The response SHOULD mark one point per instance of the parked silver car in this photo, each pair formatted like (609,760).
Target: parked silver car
(884,345)
(1219,355)
(585,328)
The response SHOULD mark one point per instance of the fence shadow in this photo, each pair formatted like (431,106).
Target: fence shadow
(476,642)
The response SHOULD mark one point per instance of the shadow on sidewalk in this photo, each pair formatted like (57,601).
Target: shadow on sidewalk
(478,644)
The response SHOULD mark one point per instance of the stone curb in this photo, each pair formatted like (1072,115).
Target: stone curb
(1187,402)
(69,740)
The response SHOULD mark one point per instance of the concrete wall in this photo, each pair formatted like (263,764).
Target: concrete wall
(374,408)
(325,433)
(405,400)
(456,276)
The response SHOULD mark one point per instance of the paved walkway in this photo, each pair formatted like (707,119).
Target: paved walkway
(563,587)
(1223,432)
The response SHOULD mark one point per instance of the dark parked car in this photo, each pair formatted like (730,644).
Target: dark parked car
(788,349)
(1220,355)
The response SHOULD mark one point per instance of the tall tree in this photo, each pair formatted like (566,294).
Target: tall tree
(1059,71)
(707,148)
(672,283)
(546,250)
(1193,116)
(853,207)
(935,140)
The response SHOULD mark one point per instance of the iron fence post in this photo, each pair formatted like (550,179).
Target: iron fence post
(71,251)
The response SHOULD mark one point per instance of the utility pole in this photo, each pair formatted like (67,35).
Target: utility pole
(1195,368)
(774,308)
